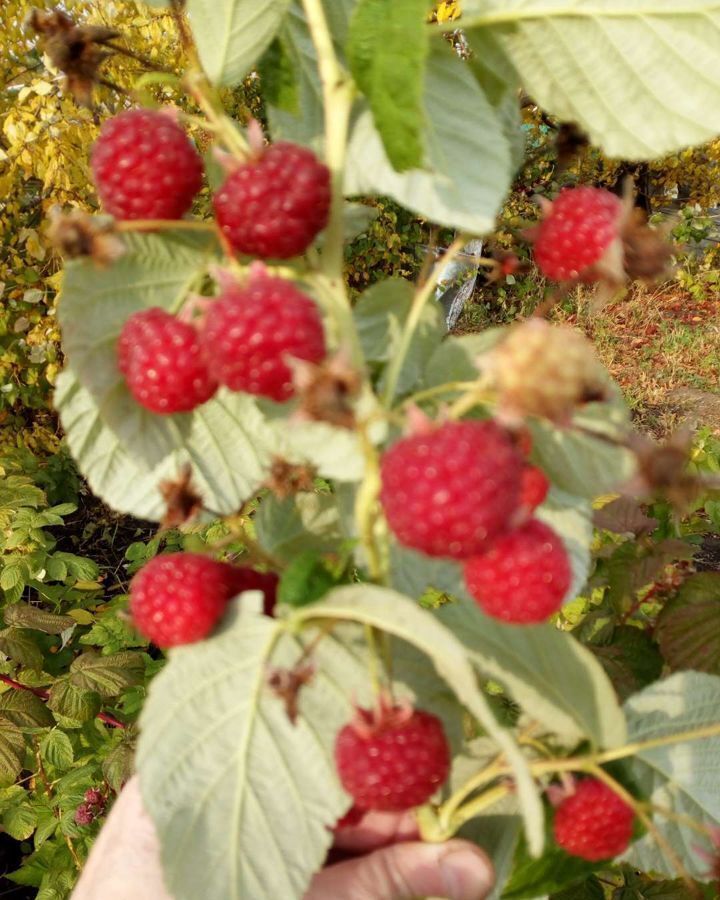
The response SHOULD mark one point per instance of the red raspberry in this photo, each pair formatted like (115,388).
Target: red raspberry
(274,206)
(251,331)
(145,167)
(535,487)
(524,577)
(250,580)
(594,823)
(163,363)
(451,490)
(178,598)
(393,758)
(85,814)
(94,797)
(581,225)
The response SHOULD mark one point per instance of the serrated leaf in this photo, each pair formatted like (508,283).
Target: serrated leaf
(387,49)
(232,34)
(47,824)
(579,60)
(12,752)
(682,776)
(228,447)
(468,167)
(624,515)
(57,750)
(533,878)
(380,314)
(305,522)
(398,615)
(454,359)
(243,802)
(631,660)
(68,700)
(305,580)
(12,576)
(25,616)
(25,710)
(19,644)
(118,765)
(688,629)
(552,676)
(19,821)
(108,675)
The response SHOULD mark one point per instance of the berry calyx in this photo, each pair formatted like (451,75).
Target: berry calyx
(145,166)
(178,598)
(274,206)
(576,232)
(450,490)
(524,576)
(392,758)
(163,362)
(534,490)
(593,822)
(252,332)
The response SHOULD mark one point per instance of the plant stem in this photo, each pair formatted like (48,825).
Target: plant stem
(207,99)
(422,295)
(43,695)
(164,225)
(476,806)
(439,389)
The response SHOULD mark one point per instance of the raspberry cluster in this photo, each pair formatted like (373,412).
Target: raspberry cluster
(179,598)
(93,805)
(463,490)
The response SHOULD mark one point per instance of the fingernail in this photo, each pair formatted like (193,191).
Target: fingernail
(466,874)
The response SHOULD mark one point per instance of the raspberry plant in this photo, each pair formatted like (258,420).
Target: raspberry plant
(303,454)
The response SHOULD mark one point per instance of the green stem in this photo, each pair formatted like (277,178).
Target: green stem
(422,295)
(439,389)
(164,225)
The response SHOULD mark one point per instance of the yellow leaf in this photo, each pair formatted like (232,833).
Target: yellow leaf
(82,616)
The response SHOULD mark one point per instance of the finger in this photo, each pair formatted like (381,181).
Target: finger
(457,870)
(377,829)
(125,860)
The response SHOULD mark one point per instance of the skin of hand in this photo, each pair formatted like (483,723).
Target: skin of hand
(124,863)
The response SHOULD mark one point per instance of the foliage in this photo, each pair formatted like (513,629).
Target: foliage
(589,693)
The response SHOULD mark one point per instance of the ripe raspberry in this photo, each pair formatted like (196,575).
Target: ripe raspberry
(94,797)
(581,225)
(84,814)
(163,363)
(274,207)
(251,331)
(535,487)
(145,167)
(249,580)
(392,758)
(545,370)
(524,577)
(451,490)
(594,823)
(178,598)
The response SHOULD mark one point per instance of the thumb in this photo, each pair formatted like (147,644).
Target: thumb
(456,870)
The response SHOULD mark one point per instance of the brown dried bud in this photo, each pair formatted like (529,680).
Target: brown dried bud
(648,253)
(326,391)
(286,684)
(77,233)
(544,370)
(74,49)
(183,501)
(286,479)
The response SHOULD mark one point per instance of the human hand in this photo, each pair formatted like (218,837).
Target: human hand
(125,861)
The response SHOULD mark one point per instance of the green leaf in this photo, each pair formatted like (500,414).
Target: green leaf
(228,446)
(304,522)
(683,776)
(12,752)
(26,616)
(552,676)
(232,34)
(243,800)
(68,700)
(19,821)
(25,709)
(19,644)
(108,675)
(467,171)
(688,630)
(454,359)
(387,49)
(12,576)
(47,824)
(305,580)
(57,750)
(398,615)
(118,765)
(533,878)
(631,660)
(581,61)
(571,519)
(380,314)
